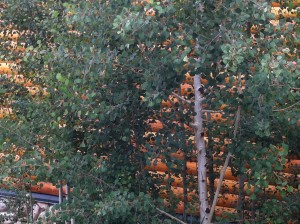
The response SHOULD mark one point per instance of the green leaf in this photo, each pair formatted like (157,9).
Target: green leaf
(290,189)
(77,81)
(59,77)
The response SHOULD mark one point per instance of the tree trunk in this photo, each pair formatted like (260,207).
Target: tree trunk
(201,153)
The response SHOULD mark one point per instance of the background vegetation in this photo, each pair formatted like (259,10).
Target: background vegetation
(101,70)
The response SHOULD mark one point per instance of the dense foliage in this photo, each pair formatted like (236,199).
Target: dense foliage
(101,70)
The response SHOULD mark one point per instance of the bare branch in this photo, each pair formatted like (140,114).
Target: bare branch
(295,89)
(212,111)
(283,109)
(222,174)
(189,102)
(181,98)
(170,216)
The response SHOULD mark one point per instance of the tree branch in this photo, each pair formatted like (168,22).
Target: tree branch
(170,216)
(212,111)
(295,89)
(283,109)
(222,174)
(181,98)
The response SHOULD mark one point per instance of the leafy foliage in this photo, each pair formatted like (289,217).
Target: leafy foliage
(102,69)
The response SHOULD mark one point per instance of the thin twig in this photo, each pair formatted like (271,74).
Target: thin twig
(170,216)
(135,70)
(212,111)
(189,102)
(207,45)
(283,109)
(181,98)
(282,85)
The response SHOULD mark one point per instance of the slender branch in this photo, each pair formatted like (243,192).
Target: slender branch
(170,216)
(181,98)
(212,111)
(283,109)
(222,174)
(135,70)
(282,85)
(189,102)
(295,89)
(208,44)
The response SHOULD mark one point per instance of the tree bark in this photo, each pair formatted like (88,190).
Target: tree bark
(201,153)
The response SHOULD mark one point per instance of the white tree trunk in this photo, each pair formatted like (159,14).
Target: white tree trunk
(201,153)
